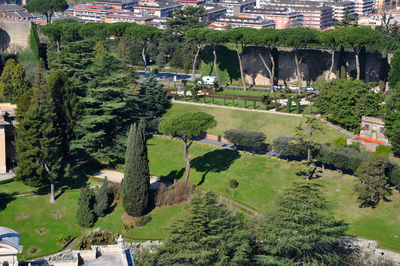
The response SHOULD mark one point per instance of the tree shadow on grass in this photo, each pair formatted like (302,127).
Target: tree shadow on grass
(215,161)
(173,176)
(5,199)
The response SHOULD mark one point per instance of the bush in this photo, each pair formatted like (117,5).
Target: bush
(233,183)
(63,239)
(383,150)
(394,174)
(289,146)
(343,158)
(252,139)
(97,236)
(177,193)
(142,220)
(340,142)
(126,227)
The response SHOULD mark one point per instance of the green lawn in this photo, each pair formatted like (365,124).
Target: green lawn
(272,125)
(260,181)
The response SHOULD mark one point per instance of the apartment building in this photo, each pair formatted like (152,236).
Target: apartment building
(126,16)
(89,12)
(157,8)
(228,22)
(213,12)
(283,17)
(363,7)
(119,4)
(339,9)
(235,7)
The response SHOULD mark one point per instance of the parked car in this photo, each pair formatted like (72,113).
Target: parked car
(309,88)
(293,88)
(279,87)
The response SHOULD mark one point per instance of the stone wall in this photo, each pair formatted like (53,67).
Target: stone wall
(14,34)
(314,63)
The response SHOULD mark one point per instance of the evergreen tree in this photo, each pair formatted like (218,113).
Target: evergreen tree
(12,81)
(26,100)
(300,230)
(392,119)
(64,97)
(372,185)
(101,204)
(108,108)
(153,97)
(208,233)
(38,148)
(34,42)
(394,73)
(135,187)
(84,213)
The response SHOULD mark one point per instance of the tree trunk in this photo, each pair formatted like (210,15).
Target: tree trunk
(187,161)
(271,72)
(328,78)
(357,53)
(52,200)
(241,69)
(195,61)
(216,67)
(144,58)
(300,80)
(309,145)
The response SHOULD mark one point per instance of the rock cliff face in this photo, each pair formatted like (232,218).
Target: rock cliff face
(314,63)
(14,35)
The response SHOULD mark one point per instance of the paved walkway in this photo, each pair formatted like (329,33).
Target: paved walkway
(6,176)
(116,177)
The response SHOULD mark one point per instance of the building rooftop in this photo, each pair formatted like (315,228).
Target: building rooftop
(9,239)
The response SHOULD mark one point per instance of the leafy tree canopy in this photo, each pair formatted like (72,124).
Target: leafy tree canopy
(47,7)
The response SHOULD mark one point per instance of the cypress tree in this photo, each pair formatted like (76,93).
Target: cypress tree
(34,42)
(84,213)
(101,204)
(135,186)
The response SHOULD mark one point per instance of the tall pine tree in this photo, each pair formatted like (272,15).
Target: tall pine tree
(208,233)
(34,42)
(108,107)
(39,157)
(154,98)
(101,204)
(300,230)
(135,186)
(84,213)
(64,96)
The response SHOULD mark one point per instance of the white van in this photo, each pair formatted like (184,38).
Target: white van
(208,80)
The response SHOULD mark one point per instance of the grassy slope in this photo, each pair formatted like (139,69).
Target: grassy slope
(271,124)
(260,181)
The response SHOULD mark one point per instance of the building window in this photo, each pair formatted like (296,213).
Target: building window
(366,127)
(381,130)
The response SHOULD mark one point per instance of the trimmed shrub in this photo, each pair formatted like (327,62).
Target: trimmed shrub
(97,236)
(126,227)
(84,214)
(289,146)
(233,183)
(252,139)
(142,220)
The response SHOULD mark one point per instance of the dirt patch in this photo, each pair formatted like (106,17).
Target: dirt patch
(22,216)
(126,218)
(32,250)
(57,214)
(41,231)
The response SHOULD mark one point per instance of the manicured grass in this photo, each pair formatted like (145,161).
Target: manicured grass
(256,93)
(273,125)
(260,182)
(27,214)
(16,187)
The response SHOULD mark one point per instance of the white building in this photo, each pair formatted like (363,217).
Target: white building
(9,246)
